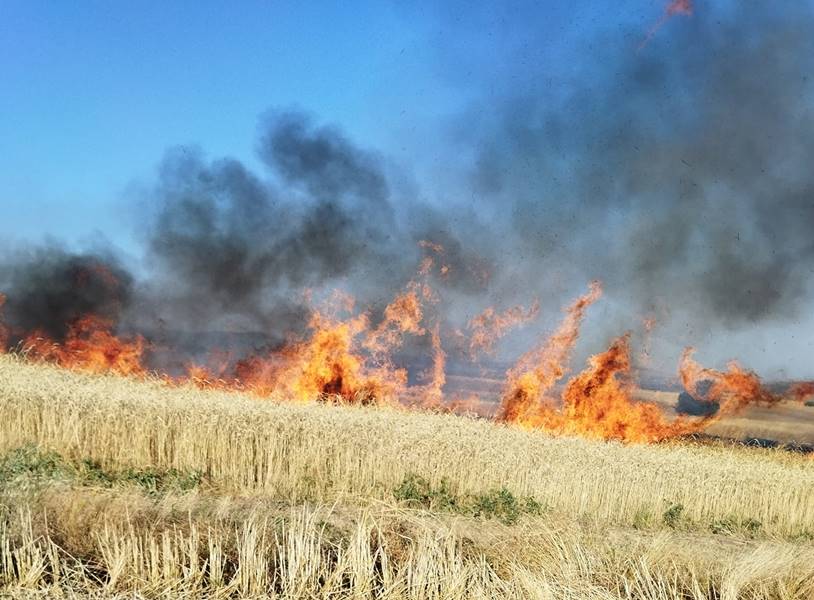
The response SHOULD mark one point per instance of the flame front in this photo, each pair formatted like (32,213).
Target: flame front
(343,358)
(595,403)
(90,346)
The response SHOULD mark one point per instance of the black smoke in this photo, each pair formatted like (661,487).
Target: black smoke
(49,288)
(232,248)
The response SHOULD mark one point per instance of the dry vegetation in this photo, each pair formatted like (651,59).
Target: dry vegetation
(110,486)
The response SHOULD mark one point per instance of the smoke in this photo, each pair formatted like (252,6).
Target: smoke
(48,288)
(323,162)
(230,248)
(679,174)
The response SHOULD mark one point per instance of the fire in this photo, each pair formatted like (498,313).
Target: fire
(403,315)
(679,7)
(648,324)
(596,403)
(675,7)
(326,365)
(489,326)
(344,358)
(734,389)
(538,370)
(90,346)
(434,389)
(801,392)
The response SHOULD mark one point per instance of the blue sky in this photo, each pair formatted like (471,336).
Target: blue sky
(95,92)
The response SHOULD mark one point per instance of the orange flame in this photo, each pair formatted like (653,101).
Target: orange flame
(342,359)
(90,346)
(800,392)
(598,402)
(345,359)
(402,315)
(434,389)
(736,388)
(538,370)
(489,326)
(328,364)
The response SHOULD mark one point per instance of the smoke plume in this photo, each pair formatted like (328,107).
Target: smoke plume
(678,174)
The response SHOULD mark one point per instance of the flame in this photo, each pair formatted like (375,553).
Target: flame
(800,392)
(402,315)
(736,388)
(678,7)
(90,346)
(648,324)
(538,370)
(328,364)
(598,402)
(428,261)
(489,326)
(673,8)
(343,358)
(434,389)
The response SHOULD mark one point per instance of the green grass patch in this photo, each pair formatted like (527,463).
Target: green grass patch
(32,464)
(672,515)
(733,525)
(500,504)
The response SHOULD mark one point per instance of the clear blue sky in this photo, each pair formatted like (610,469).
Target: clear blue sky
(93,93)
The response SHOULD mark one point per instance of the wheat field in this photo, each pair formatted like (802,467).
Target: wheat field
(114,487)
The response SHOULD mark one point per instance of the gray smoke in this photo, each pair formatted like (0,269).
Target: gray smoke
(678,174)
(233,249)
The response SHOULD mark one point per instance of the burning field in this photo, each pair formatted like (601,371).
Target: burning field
(324,467)
(345,358)
(561,352)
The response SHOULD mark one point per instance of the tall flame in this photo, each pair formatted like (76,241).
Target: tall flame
(538,370)
(598,402)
